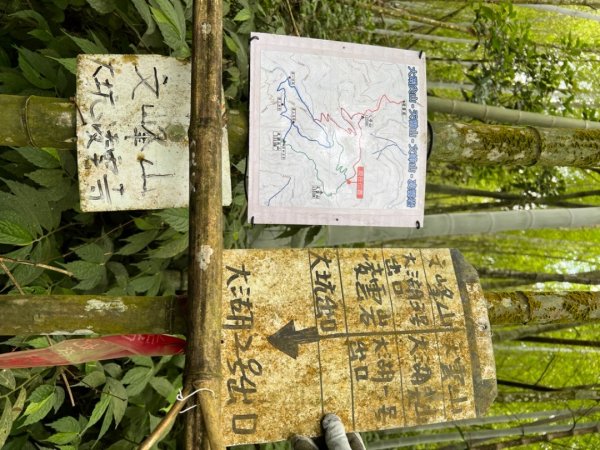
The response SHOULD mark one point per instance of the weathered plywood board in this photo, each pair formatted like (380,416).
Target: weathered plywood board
(132,133)
(384,338)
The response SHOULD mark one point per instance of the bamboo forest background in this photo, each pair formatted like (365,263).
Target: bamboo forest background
(539,58)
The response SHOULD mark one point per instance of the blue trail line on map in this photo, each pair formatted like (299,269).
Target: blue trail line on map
(279,191)
(391,144)
(292,124)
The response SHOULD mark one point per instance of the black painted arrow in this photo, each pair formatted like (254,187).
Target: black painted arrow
(288,339)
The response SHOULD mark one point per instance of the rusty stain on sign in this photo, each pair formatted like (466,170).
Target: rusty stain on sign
(132,141)
(385,338)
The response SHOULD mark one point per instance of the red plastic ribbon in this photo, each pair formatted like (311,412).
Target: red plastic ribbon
(76,351)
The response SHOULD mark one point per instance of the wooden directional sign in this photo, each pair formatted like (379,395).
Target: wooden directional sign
(384,338)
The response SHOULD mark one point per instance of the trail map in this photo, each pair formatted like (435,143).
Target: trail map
(338,133)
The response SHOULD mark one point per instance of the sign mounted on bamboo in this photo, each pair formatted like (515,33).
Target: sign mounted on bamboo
(132,133)
(384,338)
(338,133)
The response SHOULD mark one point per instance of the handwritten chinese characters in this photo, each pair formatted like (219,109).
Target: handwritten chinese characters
(132,127)
(382,337)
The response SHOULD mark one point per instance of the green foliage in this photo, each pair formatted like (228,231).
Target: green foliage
(118,403)
(517,72)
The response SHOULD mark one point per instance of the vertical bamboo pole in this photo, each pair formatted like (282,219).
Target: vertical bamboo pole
(203,361)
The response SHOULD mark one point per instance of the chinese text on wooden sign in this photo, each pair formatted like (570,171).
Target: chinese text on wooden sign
(132,133)
(383,338)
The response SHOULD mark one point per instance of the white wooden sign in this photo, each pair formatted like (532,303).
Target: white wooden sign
(132,133)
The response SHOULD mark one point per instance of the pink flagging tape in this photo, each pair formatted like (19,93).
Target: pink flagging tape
(76,351)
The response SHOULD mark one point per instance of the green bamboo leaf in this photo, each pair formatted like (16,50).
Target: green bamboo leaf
(163,386)
(144,11)
(172,247)
(230,43)
(66,425)
(13,234)
(84,270)
(93,253)
(144,361)
(36,203)
(50,178)
(63,438)
(103,6)
(88,46)
(40,404)
(242,15)
(40,158)
(122,445)
(172,34)
(113,369)
(137,242)
(99,409)
(6,421)
(136,380)
(119,398)
(7,379)
(68,63)
(93,379)
(177,218)
(29,14)
(17,408)
(121,277)
(37,69)
(59,398)
(108,417)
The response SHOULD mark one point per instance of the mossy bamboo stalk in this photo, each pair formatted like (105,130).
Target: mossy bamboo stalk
(419,36)
(505,115)
(472,439)
(24,315)
(452,142)
(464,191)
(592,277)
(530,2)
(501,144)
(203,356)
(389,10)
(51,122)
(37,121)
(519,307)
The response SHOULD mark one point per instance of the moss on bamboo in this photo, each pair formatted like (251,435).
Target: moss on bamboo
(512,308)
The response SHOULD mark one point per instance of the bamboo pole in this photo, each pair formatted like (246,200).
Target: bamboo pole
(203,358)
(24,315)
(100,314)
(394,10)
(505,115)
(518,2)
(451,142)
(501,144)
(37,121)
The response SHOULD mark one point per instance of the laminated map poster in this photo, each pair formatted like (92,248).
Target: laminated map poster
(338,133)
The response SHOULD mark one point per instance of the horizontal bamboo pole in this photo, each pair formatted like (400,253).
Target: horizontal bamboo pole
(46,122)
(23,315)
(85,314)
(51,122)
(507,145)
(37,121)
(505,115)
